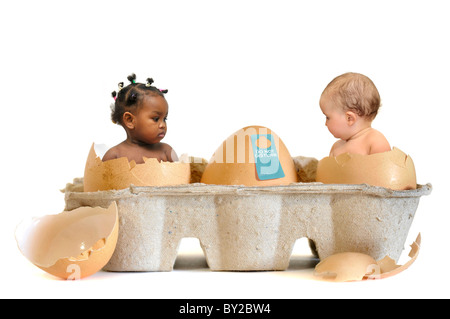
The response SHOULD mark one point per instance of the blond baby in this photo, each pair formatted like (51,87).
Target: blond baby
(350,103)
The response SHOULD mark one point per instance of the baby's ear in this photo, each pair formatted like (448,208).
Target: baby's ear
(128,120)
(351,117)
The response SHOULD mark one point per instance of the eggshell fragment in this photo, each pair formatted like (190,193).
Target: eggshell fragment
(120,173)
(347,266)
(351,266)
(389,268)
(393,169)
(252,156)
(73,244)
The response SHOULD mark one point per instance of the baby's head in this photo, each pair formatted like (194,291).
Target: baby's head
(353,92)
(141,109)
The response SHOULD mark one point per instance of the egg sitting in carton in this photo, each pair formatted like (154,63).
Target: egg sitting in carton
(252,156)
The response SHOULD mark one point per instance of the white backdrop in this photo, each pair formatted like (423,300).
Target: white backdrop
(227,64)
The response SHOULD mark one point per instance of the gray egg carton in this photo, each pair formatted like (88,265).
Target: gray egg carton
(244,228)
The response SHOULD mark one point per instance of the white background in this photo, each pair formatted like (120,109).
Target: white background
(227,64)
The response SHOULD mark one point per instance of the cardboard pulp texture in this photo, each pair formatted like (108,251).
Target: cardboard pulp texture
(243,228)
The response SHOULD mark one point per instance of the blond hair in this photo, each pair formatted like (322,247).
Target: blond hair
(354,92)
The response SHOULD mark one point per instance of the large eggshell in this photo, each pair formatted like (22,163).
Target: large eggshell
(119,173)
(393,169)
(348,266)
(233,163)
(73,244)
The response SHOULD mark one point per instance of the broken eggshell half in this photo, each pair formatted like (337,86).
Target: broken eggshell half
(120,173)
(392,169)
(73,244)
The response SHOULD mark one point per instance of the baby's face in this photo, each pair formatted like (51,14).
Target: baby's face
(336,121)
(151,126)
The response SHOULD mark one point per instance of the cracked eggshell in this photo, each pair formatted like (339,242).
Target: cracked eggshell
(393,169)
(233,163)
(119,173)
(389,268)
(347,266)
(73,244)
(352,266)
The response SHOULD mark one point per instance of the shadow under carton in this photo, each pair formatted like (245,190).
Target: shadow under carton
(252,228)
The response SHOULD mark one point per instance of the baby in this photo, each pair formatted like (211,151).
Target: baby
(350,103)
(141,109)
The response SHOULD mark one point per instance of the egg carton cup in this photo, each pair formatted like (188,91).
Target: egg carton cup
(244,228)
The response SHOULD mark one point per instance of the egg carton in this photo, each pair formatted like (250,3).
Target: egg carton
(243,228)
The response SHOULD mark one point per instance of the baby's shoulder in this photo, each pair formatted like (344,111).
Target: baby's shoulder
(169,151)
(164,146)
(336,148)
(378,142)
(112,153)
(375,136)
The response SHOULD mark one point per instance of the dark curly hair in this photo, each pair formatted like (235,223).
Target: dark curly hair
(130,97)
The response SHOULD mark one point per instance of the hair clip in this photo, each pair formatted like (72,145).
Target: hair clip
(163,91)
(120,85)
(132,78)
(149,82)
(114,95)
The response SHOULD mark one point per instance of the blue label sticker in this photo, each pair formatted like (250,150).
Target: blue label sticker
(266,157)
